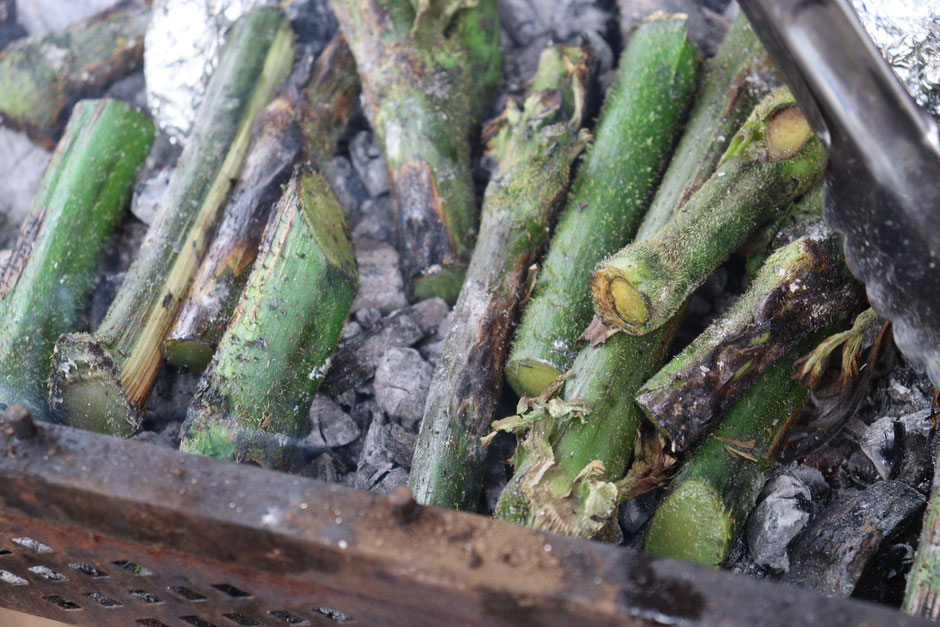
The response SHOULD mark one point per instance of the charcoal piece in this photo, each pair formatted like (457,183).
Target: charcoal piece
(154,177)
(130,89)
(398,443)
(168,436)
(784,508)
(356,359)
(380,282)
(431,351)
(374,460)
(349,190)
(10,29)
(22,164)
(402,380)
(395,478)
(329,425)
(430,315)
(377,221)
(312,21)
(878,445)
(351,329)
(367,316)
(833,551)
(323,468)
(366,158)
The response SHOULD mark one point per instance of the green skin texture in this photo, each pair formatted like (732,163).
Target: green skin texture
(101,382)
(253,400)
(733,82)
(800,289)
(298,122)
(750,188)
(922,597)
(425,81)
(715,490)
(535,151)
(40,77)
(634,138)
(44,287)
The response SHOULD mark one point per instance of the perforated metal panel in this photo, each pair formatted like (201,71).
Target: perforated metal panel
(100,531)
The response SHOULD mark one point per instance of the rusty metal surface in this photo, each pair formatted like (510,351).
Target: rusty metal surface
(100,531)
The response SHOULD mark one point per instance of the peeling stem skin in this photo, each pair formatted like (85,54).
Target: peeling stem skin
(732,83)
(297,122)
(41,77)
(253,401)
(44,285)
(427,72)
(922,597)
(771,161)
(535,147)
(800,289)
(717,487)
(101,381)
(635,134)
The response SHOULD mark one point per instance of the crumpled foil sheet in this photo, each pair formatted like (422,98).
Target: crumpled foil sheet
(908,34)
(180,55)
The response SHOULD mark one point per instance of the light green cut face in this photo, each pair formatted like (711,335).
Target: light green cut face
(691,525)
(531,377)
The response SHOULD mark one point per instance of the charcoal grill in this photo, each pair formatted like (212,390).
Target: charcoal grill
(100,531)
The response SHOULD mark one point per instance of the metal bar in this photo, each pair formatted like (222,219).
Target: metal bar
(166,538)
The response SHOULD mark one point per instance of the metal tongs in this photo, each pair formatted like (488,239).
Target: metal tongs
(882,182)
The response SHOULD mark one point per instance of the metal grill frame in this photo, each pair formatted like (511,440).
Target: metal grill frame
(268,548)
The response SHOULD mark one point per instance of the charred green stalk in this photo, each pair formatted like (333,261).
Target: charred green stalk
(635,134)
(922,597)
(253,400)
(101,381)
(44,284)
(534,147)
(719,484)
(733,82)
(427,70)
(771,161)
(41,77)
(801,288)
(319,113)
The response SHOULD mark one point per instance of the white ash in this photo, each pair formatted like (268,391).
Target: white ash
(351,329)
(785,507)
(380,283)
(154,177)
(402,381)
(366,158)
(22,164)
(41,17)
(329,425)
(432,315)
(367,316)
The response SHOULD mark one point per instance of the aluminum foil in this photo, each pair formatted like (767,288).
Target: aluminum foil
(908,34)
(180,54)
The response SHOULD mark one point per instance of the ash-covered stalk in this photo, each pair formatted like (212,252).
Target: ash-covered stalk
(801,288)
(427,71)
(101,381)
(42,77)
(46,281)
(253,401)
(636,132)
(534,146)
(718,485)
(771,161)
(298,122)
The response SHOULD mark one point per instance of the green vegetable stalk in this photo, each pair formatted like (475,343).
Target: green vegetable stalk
(42,77)
(427,70)
(716,489)
(46,281)
(771,161)
(922,597)
(101,381)
(253,400)
(297,122)
(635,134)
(801,288)
(535,147)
